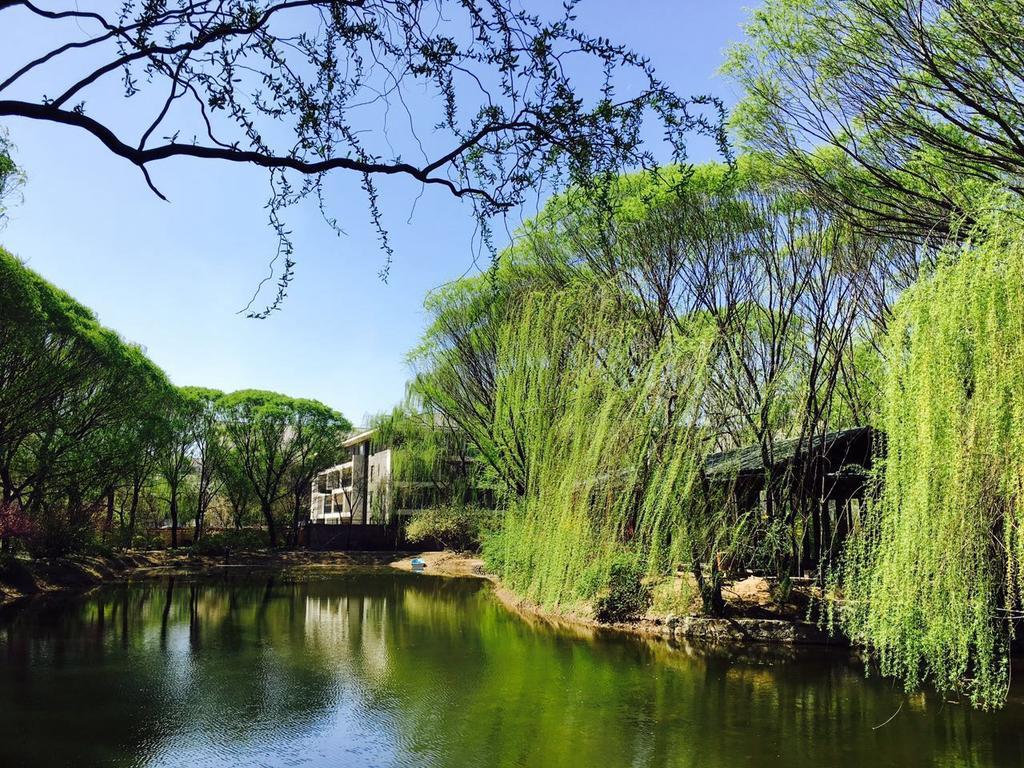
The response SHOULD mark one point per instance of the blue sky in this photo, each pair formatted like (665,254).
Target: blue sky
(172,276)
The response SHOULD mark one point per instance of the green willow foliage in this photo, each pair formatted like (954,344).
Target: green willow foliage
(432,464)
(932,580)
(611,451)
(11,177)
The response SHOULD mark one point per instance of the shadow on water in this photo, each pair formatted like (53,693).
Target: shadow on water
(403,670)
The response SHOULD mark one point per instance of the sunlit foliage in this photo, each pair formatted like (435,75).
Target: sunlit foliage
(932,582)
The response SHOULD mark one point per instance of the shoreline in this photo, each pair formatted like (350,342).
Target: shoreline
(22,579)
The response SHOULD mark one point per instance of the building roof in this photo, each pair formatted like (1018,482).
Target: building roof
(361,435)
(845,449)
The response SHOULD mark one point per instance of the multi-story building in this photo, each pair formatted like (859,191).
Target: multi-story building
(354,491)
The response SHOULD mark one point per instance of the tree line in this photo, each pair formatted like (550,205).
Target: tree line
(98,447)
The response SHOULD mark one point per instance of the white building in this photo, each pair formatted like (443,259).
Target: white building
(355,491)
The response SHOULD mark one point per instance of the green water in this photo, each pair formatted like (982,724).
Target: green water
(408,670)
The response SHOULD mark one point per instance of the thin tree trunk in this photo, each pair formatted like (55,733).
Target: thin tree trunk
(174,518)
(710,589)
(296,513)
(133,510)
(165,614)
(268,516)
(108,524)
(200,518)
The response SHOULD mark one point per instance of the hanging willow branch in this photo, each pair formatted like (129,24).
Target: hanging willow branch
(932,581)
(308,87)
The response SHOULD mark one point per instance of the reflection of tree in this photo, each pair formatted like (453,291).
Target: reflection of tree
(430,671)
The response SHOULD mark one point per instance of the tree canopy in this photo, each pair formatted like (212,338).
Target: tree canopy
(272,435)
(898,113)
(71,397)
(932,582)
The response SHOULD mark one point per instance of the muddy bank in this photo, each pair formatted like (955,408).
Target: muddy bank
(753,619)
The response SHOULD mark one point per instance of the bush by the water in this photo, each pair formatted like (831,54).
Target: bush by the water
(455,527)
(627,594)
(227,542)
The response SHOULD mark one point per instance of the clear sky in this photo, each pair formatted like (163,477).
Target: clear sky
(172,276)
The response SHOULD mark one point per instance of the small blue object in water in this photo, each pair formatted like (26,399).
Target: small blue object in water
(418,564)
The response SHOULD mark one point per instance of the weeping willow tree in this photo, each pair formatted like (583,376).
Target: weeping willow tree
(611,435)
(932,581)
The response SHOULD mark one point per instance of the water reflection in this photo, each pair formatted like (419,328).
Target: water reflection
(401,670)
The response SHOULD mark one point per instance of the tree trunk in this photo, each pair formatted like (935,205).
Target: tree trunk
(109,522)
(268,516)
(174,518)
(710,588)
(200,518)
(165,614)
(133,510)
(296,513)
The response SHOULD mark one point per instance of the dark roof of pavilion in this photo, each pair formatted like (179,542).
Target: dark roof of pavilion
(845,449)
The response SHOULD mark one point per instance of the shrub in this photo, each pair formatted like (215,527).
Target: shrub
(627,595)
(674,596)
(227,542)
(97,547)
(147,541)
(453,527)
(59,533)
(14,523)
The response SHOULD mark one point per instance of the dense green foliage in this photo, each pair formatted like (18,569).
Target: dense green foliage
(906,120)
(459,527)
(434,473)
(75,400)
(932,582)
(93,437)
(610,446)
(628,595)
(281,443)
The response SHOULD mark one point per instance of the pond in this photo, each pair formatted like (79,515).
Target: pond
(390,669)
